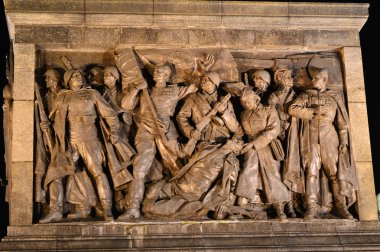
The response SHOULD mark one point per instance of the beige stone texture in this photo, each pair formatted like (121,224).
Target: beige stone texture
(117,6)
(359,131)
(119,19)
(24,65)
(353,74)
(182,21)
(31,18)
(279,37)
(47,5)
(22,131)
(187,7)
(204,37)
(21,196)
(41,34)
(94,36)
(332,38)
(366,195)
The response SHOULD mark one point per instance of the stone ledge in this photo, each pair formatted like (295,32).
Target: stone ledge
(294,235)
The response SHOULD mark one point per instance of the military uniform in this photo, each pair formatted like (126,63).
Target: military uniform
(320,138)
(165,101)
(260,170)
(195,109)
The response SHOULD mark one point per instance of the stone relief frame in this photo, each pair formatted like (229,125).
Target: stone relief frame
(249,27)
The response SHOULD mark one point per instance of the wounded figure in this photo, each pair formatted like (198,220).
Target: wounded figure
(205,184)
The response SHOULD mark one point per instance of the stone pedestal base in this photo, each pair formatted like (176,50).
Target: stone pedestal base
(247,235)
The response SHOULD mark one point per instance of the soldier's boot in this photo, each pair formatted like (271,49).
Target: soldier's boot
(340,202)
(291,212)
(133,200)
(311,211)
(107,210)
(56,203)
(81,212)
(279,207)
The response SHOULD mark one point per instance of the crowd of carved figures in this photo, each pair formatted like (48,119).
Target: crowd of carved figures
(125,142)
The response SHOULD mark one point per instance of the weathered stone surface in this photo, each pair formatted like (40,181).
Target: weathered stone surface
(187,7)
(24,65)
(153,36)
(23,125)
(21,200)
(254,22)
(119,19)
(359,131)
(325,23)
(279,37)
(246,235)
(367,196)
(32,18)
(41,34)
(330,9)
(182,21)
(331,38)
(237,37)
(254,8)
(117,6)
(204,37)
(353,74)
(94,36)
(45,5)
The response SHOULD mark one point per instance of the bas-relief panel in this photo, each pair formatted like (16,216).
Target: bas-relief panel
(191,133)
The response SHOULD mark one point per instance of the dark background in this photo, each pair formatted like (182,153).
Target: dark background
(369,38)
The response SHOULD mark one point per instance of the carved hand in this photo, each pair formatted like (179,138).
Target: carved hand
(220,107)
(195,133)
(247,147)
(142,85)
(44,125)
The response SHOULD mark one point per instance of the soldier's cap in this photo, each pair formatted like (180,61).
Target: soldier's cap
(113,70)
(214,77)
(248,94)
(280,72)
(69,73)
(53,73)
(316,70)
(263,75)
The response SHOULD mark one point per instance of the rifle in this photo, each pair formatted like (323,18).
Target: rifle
(44,119)
(190,145)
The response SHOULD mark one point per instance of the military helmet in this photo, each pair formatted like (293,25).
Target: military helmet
(263,75)
(53,73)
(113,70)
(68,74)
(214,77)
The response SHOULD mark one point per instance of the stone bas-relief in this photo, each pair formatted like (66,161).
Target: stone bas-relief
(193,134)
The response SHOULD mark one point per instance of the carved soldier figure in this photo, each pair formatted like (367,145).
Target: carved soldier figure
(281,99)
(52,78)
(74,117)
(96,79)
(260,171)
(199,104)
(156,130)
(323,142)
(261,81)
(206,183)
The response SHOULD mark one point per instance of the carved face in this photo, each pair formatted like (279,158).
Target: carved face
(251,102)
(286,80)
(109,79)
(76,81)
(259,83)
(51,82)
(319,81)
(161,76)
(207,85)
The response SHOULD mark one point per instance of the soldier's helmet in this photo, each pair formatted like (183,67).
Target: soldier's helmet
(68,74)
(262,74)
(52,73)
(113,70)
(214,77)
(280,73)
